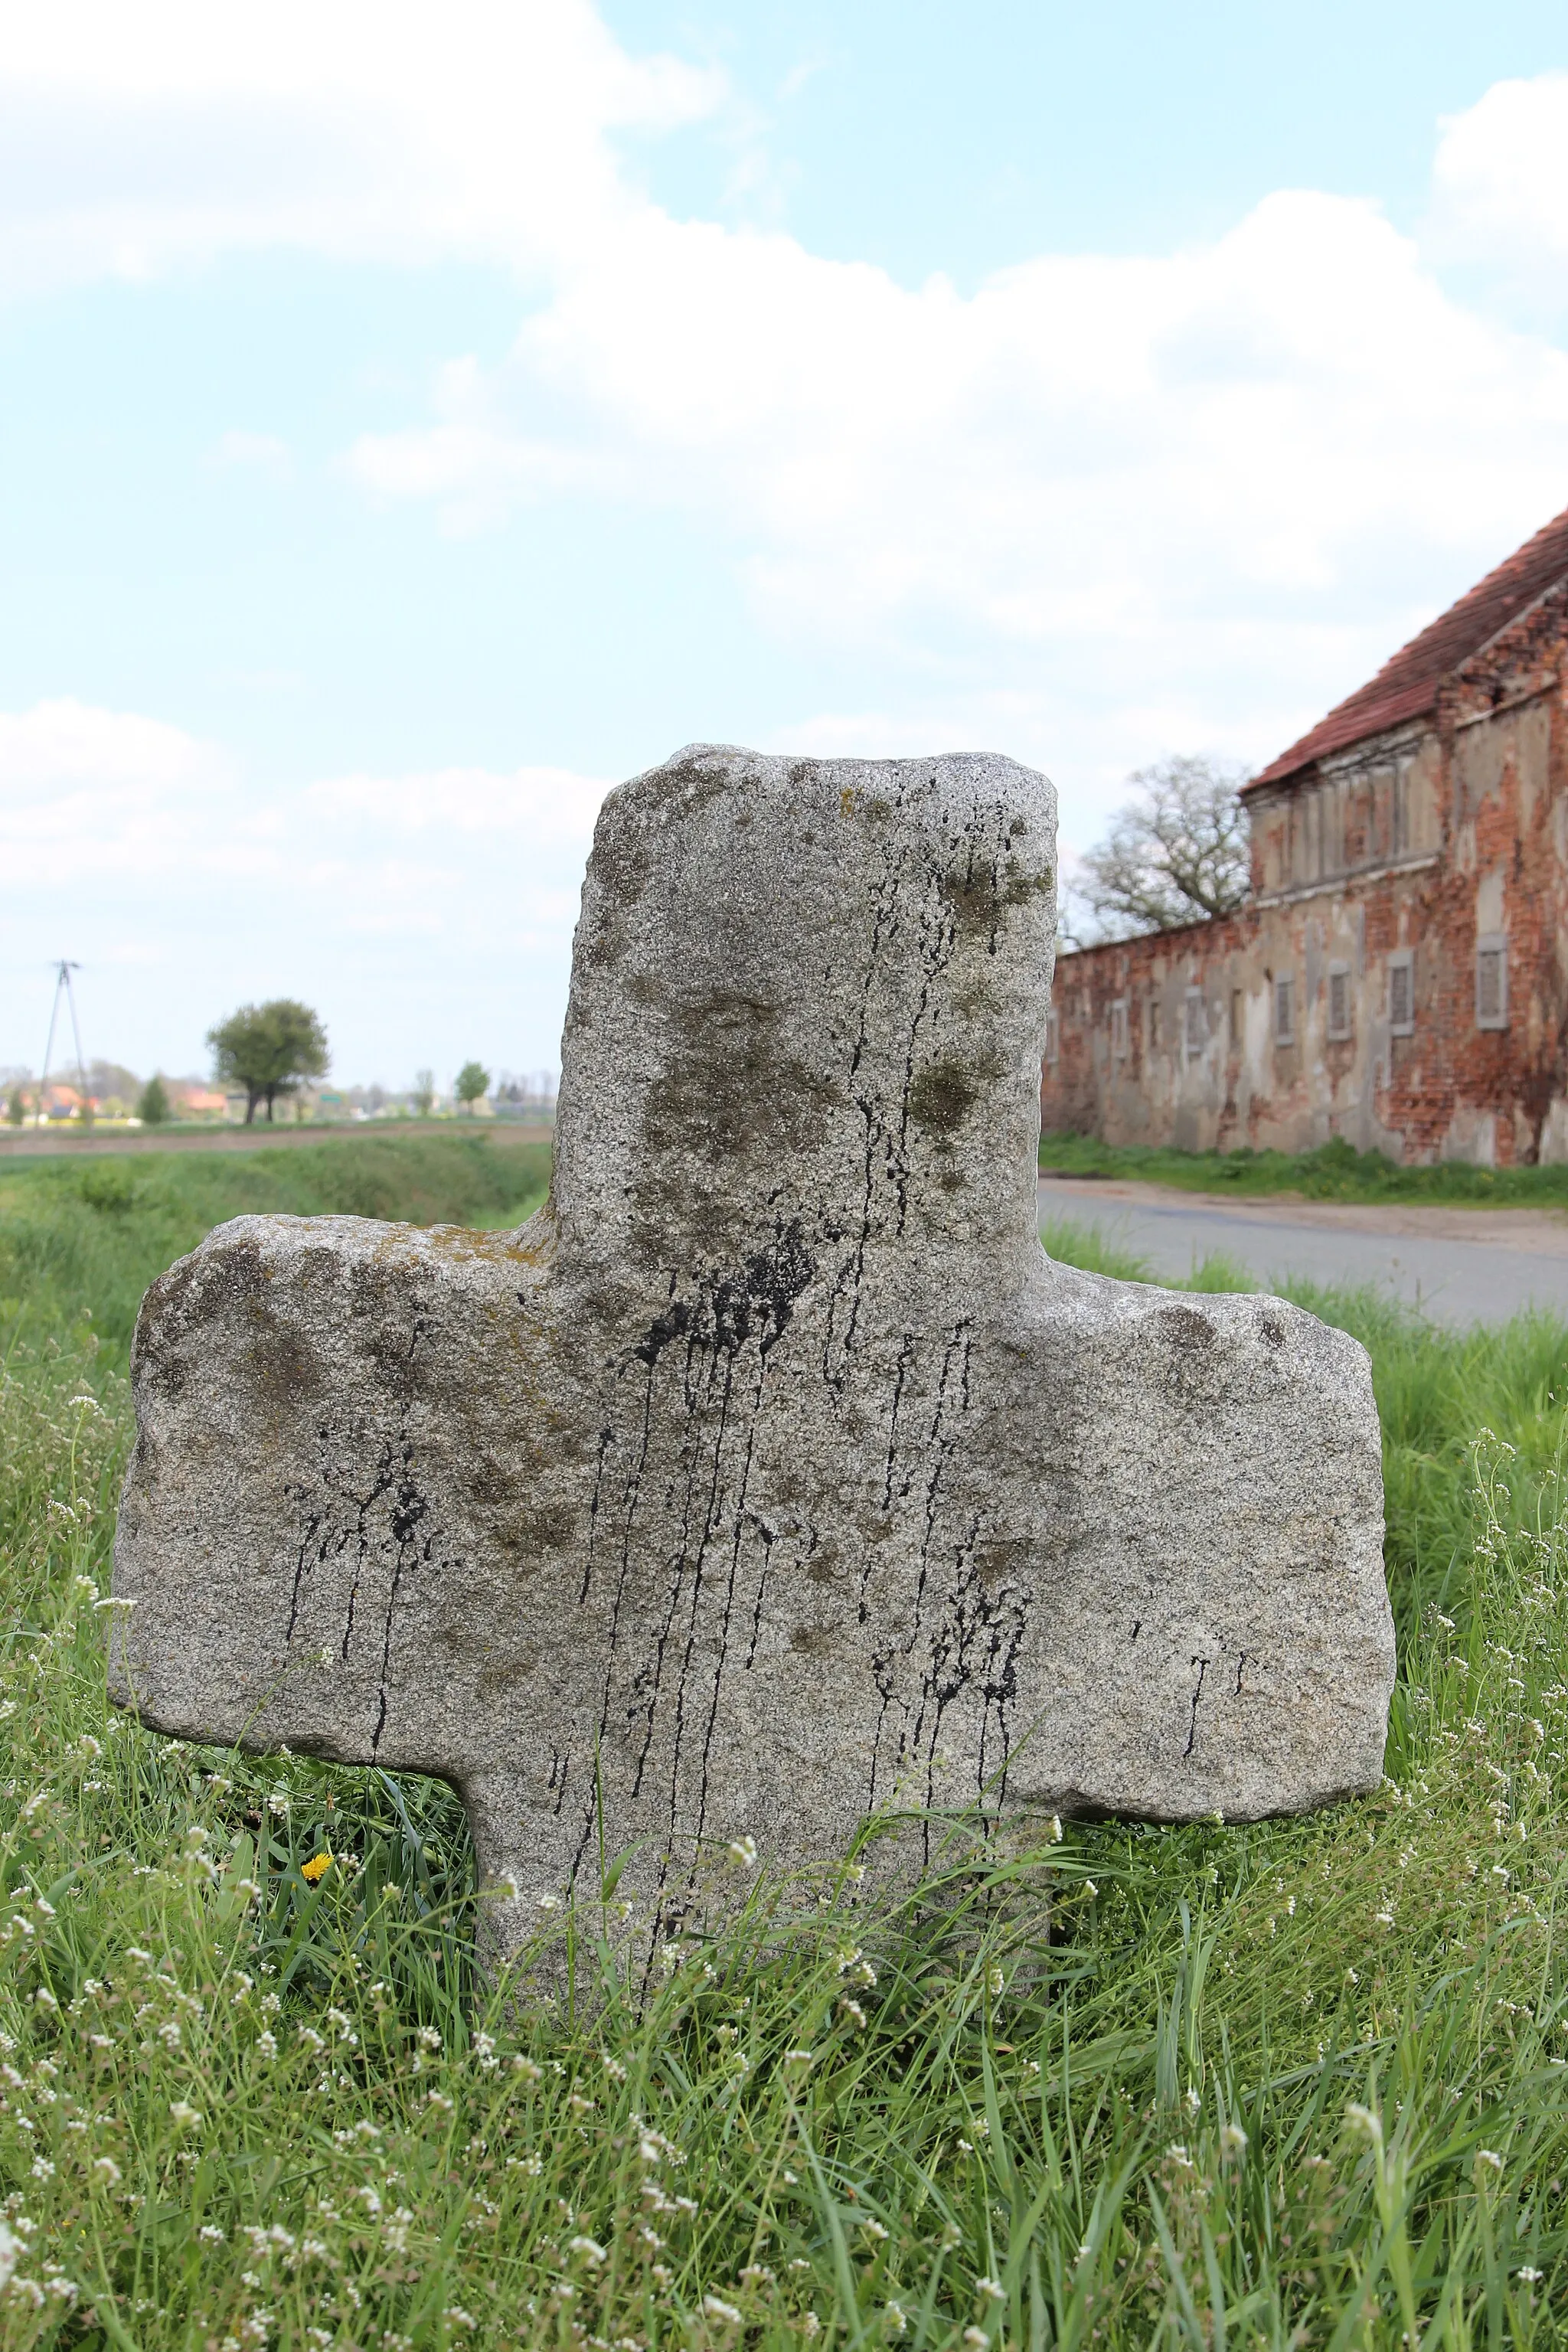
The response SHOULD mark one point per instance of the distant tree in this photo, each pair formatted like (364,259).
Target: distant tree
(17,1108)
(473,1080)
(268,1049)
(154,1106)
(423,1097)
(110,1082)
(1175,855)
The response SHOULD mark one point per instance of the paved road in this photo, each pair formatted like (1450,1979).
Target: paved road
(1459,1265)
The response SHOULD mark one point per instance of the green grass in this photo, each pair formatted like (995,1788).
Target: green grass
(1333,1172)
(1298,2084)
(91,1233)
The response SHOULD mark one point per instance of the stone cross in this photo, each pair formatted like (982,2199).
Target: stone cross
(770,1476)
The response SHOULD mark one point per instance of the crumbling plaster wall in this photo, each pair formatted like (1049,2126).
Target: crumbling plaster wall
(1498,1094)
(1221,1077)
(1426,840)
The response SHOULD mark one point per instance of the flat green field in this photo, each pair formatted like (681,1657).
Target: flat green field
(1333,1172)
(1301,2084)
(87,1235)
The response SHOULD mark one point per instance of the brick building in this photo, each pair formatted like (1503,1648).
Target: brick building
(1398,974)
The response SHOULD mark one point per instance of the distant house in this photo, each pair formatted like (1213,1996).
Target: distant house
(200,1102)
(1398,975)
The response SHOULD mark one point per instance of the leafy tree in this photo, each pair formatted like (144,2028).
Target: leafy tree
(111,1082)
(473,1080)
(154,1106)
(16,1108)
(1175,855)
(268,1049)
(424,1095)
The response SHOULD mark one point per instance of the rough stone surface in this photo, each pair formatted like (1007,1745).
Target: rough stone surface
(771,1473)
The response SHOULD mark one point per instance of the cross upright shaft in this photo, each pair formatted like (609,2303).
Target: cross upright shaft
(771,1475)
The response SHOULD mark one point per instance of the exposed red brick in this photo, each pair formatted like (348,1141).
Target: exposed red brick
(1423,833)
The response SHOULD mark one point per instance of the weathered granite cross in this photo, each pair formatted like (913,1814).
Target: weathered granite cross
(771,1475)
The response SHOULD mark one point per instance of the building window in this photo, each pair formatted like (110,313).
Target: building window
(1402,993)
(1153,1024)
(1284,1010)
(1237,1004)
(1339,1001)
(1118,1029)
(1491,980)
(1197,1031)
(1053,1039)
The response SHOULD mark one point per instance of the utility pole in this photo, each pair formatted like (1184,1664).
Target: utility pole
(63,972)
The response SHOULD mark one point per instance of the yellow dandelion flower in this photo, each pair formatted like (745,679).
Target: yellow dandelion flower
(316,1869)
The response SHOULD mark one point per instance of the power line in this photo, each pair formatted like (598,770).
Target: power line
(63,972)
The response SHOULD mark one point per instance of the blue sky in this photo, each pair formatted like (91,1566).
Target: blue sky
(411,421)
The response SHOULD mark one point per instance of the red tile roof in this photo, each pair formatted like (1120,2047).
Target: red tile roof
(1406,686)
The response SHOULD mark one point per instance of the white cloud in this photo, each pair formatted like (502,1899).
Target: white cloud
(67,743)
(1217,484)
(89,794)
(1101,509)
(544,808)
(427,915)
(1499,184)
(137,140)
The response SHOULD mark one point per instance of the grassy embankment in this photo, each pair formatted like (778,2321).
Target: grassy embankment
(1300,2083)
(1333,1172)
(91,1233)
